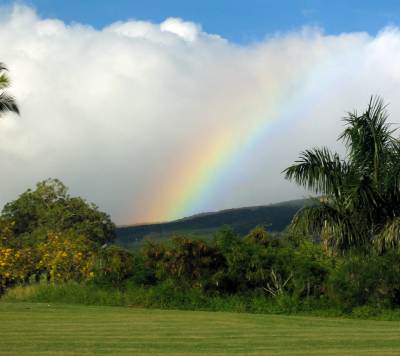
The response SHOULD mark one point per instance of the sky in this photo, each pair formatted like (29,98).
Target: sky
(159,110)
(238,20)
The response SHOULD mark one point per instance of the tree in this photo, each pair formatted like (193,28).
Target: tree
(50,208)
(7,102)
(359,204)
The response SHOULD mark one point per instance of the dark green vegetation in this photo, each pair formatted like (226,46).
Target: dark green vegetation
(276,216)
(50,208)
(40,329)
(7,102)
(339,256)
(47,234)
(164,296)
(259,273)
(360,208)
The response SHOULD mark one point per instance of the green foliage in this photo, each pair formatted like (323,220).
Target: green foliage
(360,194)
(112,266)
(186,261)
(286,271)
(47,236)
(262,263)
(258,236)
(165,295)
(226,239)
(50,208)
(362,280)
(7,102)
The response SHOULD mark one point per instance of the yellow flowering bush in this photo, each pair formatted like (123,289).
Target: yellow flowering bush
(61,257)
(16,265)
(66,257)
(47,234)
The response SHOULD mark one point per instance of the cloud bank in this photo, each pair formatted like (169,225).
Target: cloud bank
(130,116)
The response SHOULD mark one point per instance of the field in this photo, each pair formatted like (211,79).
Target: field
(42,329)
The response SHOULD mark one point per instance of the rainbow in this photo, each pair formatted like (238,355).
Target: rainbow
(204,169)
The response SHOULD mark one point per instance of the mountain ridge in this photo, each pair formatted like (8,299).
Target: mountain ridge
(276,216)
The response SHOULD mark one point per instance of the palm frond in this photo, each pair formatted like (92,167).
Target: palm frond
(2,67)
(318,170)
(311,219)
(362,206)
(369,138)
(391,170)
(4,81)
(389,237)
(330,224)
(8,104)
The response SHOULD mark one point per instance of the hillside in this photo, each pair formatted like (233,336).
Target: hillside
(275,216)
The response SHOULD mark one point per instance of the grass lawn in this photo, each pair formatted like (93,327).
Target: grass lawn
(41,329)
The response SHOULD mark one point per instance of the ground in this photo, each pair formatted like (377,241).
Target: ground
(42,329)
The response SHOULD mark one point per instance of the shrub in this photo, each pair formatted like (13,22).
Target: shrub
(66,256)
(188,262)
(112,266)
(361,280)
(16,266)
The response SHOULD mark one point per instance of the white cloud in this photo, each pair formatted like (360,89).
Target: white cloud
(186,30)
(120,113)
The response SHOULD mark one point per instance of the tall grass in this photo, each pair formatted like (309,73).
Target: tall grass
(161,296)
(70,293)
(165,297)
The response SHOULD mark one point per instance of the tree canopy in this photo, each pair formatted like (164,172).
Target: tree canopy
(359,204)
(50,208)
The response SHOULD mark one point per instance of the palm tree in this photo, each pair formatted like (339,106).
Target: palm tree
(359,196)
(7,102)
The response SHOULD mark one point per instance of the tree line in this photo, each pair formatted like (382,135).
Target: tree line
(341,250)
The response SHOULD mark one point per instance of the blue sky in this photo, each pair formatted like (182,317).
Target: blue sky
(237,20)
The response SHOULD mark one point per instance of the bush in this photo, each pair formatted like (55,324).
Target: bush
(191,263)
(113,266)
(16,266)
(257,273)
(361,280)
(66,256)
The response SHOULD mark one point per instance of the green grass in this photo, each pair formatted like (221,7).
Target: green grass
(42,329)
(165,296)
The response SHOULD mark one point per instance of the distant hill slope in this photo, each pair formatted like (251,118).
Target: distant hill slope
(276,216)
